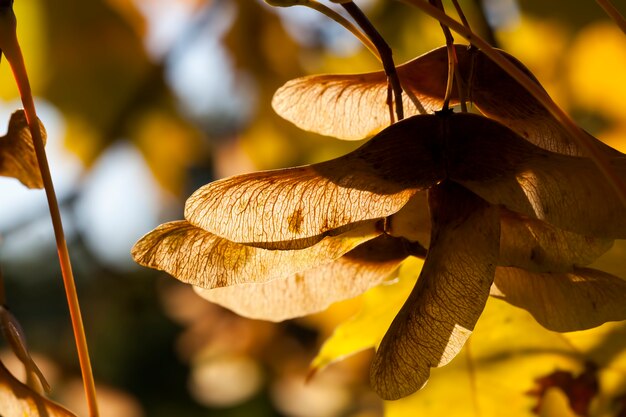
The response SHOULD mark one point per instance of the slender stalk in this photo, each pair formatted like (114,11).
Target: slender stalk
(384,51)
(330,13)
(487,30)
(612,11)
(596,155)
(453,62)
(12,50)
(459,11)
(3,297)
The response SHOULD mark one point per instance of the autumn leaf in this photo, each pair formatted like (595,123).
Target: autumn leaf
(17,153)
(18,400)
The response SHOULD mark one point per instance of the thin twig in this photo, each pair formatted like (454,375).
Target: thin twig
(612,11)
(459,11)
(384,51)
(488,32)
(346,24)
(579,136)
(12,50)
(330,13)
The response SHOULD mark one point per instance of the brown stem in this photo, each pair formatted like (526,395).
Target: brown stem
(612,11)
(330,13)
(453,65)
(12,50)
(487,30)
(383,49)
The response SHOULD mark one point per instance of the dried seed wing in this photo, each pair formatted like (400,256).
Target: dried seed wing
(449,296)
(567,192)
(18,400)
(373,181)
(564,302)
(200,258)
(354,106)
(314,290)
(500,97)
(537,246)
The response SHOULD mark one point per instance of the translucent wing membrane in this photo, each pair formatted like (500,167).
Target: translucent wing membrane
(449,296)
(353,106)
(540,247)
(566,301)
(314,290)
(200,258)
(373,181)
(16,399)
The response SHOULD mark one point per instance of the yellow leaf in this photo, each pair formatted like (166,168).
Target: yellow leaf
(200,258)
(313,290)
(17,154)
(366,329)
(449,297)
(18,400)
(494,373)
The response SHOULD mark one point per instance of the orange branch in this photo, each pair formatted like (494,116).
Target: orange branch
(12,50)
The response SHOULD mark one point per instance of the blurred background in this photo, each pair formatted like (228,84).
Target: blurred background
(146,100)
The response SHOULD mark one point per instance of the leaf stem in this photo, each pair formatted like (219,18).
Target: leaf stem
(384,51)
(612,11)
(579,136)
(12,50)
(330,13)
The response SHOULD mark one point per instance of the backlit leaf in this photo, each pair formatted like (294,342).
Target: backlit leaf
(313,290)
(366,329)
(200,258)
(18,400)
(374,181)
(564,302)
(450,294)
(17,154)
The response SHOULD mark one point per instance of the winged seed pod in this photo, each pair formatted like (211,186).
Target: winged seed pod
(319,103)
(283,243)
